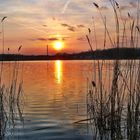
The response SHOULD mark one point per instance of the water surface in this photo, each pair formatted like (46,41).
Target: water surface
(54,98)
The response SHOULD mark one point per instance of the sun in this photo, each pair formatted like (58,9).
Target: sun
(58,45)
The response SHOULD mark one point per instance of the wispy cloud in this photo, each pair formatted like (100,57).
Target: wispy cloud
(66,6)
(73,29)
(38,39)
(69,27)
(81,26)
(65,25)
(44,25)
(47,39)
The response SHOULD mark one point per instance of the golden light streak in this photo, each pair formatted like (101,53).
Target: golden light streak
(58,71)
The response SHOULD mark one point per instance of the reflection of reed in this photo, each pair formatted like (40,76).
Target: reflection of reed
(3,117)
(118,111)
(10,104)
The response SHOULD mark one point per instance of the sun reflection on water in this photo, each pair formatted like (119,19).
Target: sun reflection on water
(58,71)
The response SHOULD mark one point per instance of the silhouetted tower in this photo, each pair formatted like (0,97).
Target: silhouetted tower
(47,50)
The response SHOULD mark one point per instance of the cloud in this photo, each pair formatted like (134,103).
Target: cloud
(44,25)
(81,26)
(66,6)
(69,27)
(48,39)
(73,29)
(65,25)
(43,39)
(53,39)
(40,39)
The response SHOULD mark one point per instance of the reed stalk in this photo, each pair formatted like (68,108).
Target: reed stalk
(114,110)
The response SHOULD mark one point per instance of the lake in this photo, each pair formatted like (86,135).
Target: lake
(54,98)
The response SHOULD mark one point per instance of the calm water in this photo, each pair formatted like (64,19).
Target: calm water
(54,98)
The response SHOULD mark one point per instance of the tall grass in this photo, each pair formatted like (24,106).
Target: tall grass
(10,94)
(113,101)
(11,98)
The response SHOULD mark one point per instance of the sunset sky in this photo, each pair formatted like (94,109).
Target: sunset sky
(36,23)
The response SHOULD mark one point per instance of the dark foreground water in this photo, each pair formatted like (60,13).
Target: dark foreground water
(54,98)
